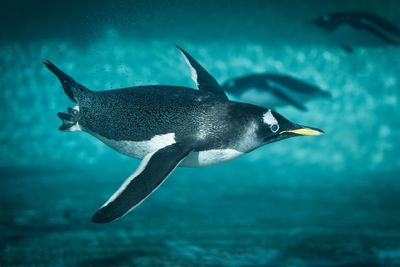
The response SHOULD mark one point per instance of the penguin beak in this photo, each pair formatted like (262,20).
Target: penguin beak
(302,130)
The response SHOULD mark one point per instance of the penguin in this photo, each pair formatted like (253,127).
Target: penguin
(169,126)
(359,29)
(272,90)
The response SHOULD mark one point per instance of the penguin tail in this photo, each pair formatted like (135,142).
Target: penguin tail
(73,89)
(70,120)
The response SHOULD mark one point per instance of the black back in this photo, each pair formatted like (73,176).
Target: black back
(140,113)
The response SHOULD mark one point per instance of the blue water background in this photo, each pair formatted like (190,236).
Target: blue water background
(331,200)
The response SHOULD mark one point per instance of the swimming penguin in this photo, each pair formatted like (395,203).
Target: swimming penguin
(272,90)
(169,126)
(358,29)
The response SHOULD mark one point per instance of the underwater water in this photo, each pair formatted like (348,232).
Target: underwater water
(330,200)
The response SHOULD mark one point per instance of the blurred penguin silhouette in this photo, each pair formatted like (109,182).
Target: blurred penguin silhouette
(357,29)
(273,90)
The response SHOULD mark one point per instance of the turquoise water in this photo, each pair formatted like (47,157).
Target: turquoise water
(331,200)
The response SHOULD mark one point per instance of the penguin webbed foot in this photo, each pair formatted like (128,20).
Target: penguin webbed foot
(69,119)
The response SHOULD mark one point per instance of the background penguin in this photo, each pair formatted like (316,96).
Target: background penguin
(169,126)
(358,29)
(272,90)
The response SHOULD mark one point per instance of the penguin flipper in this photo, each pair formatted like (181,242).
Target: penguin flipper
(151,173)
(288,99)
(201,77)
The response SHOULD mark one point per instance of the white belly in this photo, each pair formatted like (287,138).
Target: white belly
(210,157)
(140,149)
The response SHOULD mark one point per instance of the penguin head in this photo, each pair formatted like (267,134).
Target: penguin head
(275,127)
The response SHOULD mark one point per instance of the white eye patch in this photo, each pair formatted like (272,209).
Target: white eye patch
(269,119)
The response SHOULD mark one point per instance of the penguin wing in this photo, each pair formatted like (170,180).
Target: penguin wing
(151,173)
(201,77)
(381,27)
(373,29)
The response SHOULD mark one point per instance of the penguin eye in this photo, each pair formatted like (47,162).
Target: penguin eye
(274,128)
(326,18)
